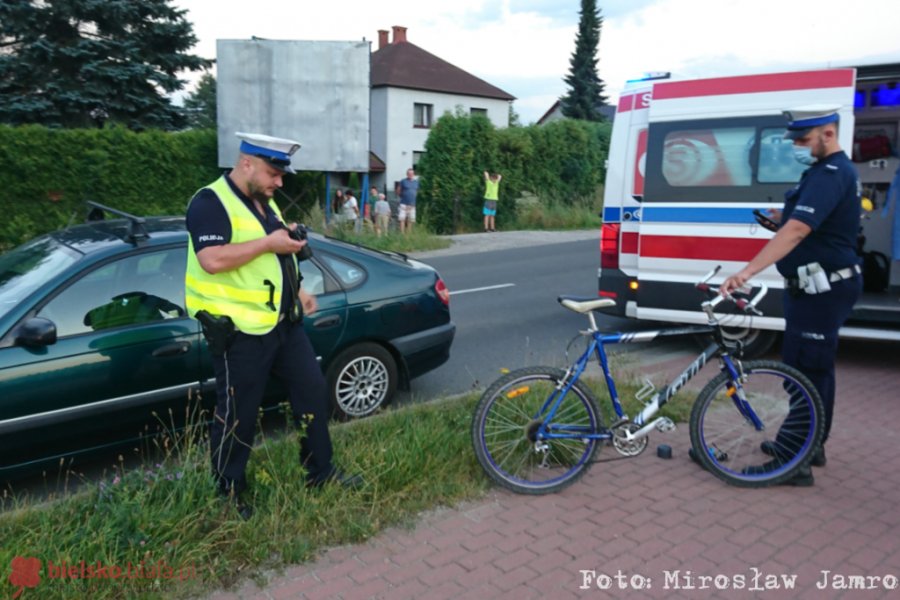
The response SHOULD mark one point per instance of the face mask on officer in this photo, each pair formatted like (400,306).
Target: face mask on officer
(803,155)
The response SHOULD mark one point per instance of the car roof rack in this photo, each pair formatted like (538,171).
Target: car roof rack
(137,230)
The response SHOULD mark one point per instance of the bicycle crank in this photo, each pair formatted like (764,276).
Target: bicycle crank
(626,446)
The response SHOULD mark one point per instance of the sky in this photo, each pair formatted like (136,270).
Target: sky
(524,46)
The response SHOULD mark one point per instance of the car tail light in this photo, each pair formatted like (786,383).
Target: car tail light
(442,292)
(609,246)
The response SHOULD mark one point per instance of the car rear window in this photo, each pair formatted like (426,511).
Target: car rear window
(350,274)
(24,269)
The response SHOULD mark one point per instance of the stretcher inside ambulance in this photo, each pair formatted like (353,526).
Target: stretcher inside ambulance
(688,163)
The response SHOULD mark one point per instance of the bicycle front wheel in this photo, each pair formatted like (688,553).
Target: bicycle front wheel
(760,430)
(506,425)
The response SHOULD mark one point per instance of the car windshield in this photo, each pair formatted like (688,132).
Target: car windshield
(24,269)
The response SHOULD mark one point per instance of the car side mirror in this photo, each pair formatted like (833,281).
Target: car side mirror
(36,332)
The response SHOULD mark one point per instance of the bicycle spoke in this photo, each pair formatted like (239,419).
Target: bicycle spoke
(506,432)
(761,434)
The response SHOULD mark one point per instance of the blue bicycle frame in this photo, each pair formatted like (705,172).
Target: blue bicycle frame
(596,346)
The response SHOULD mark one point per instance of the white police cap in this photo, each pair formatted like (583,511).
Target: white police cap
(803,118)
(275,151)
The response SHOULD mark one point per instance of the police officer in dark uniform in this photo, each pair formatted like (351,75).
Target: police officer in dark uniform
(814,249)
(242,284)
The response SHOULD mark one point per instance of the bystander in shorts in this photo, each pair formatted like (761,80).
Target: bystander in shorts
(407,211)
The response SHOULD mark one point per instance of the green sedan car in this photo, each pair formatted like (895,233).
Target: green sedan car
(95,342)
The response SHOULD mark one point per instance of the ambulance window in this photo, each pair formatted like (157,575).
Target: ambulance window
(776,158)
(713,157)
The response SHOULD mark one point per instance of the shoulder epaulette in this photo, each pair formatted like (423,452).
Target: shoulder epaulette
(831,167)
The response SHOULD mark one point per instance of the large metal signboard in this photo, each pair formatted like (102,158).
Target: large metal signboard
(314,92)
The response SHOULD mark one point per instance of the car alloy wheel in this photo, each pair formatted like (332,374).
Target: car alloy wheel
(361,380)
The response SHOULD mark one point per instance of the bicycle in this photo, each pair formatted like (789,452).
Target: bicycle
(756,423)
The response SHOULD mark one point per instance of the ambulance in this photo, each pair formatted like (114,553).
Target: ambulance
(689,161)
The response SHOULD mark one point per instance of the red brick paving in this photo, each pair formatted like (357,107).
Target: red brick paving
(662,524)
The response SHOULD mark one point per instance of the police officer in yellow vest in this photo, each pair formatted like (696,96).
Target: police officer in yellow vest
(242,284)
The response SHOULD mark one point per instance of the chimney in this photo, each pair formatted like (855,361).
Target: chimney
(399,34)
(383,38)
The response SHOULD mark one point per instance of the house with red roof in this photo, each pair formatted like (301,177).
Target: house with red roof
(410,89)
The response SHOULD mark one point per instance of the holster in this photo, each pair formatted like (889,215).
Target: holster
(219,331)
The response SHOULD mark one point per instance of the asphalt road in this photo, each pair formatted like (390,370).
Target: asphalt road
(504,302)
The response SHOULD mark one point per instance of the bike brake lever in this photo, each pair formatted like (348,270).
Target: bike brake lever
(705,279)
(756,299)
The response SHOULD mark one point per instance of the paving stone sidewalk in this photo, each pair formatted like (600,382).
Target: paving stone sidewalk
(652,528)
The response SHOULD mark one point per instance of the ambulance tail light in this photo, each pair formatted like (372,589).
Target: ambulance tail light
(609,246)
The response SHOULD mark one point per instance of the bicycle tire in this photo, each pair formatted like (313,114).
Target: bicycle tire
(507,416)
(730,446)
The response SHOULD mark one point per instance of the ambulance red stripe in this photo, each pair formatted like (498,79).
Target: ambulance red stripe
(747,84)
(626,103)
(699,248)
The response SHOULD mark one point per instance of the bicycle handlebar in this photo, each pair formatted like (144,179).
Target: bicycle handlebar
(747,305)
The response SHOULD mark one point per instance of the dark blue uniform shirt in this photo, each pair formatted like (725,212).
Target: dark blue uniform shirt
(209,225)
(828,200)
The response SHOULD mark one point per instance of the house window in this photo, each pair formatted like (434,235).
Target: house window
(417,156)
(478,111)
(422,115)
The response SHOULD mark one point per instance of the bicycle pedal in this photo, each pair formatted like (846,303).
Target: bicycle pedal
(664,424)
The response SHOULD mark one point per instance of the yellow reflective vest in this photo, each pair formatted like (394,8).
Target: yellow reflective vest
(251,294)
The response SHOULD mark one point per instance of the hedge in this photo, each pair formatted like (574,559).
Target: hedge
(48,174)
(560,162)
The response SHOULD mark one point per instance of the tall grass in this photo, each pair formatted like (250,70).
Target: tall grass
(418,239)
(532,214)
(166,514)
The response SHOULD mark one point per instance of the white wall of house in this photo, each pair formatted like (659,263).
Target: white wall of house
(378,137)
(395,139)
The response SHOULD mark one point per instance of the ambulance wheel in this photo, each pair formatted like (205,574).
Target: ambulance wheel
(361,380)
(756,341)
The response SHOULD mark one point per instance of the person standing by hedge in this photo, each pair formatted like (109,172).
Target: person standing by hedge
(491,195)
(407,190)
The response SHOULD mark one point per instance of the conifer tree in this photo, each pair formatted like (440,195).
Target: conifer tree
(200,105)
(77,63)
(585,88)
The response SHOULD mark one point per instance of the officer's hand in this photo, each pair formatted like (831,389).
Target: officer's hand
(734,282)
(280,242)
(308,302)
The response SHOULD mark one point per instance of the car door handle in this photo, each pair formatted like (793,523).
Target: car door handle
(329,321)
(172,350)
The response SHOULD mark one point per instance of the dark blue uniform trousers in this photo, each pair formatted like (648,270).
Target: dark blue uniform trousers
(241,377)
(810,345)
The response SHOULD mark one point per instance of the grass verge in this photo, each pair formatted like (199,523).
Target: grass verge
(168,535)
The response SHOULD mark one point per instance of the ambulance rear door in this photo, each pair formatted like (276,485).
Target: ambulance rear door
(620,232)
(715,152)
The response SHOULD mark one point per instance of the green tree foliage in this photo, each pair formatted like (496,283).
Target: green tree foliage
(148,173)
(49,173)
(200,105)
(77,63)
(585,95)
(561,162)
(514,120)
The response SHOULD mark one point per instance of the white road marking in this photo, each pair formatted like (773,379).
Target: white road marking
(483,289)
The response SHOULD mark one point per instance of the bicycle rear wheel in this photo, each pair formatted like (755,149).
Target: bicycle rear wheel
(506,423)
(761,430)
